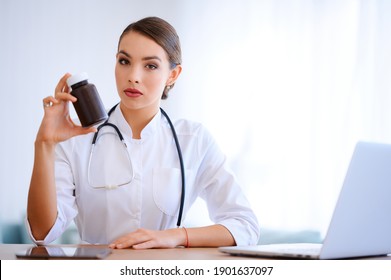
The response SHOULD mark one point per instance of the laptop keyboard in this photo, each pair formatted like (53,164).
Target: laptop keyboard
(304,249)
(300,251)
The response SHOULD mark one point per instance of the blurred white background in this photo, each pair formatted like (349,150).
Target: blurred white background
(286,87)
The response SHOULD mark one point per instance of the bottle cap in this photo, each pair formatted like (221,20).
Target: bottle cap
(77,78)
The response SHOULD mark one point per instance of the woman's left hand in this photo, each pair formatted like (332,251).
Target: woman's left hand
(145,239)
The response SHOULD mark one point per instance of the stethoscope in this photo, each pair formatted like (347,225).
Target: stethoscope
(118,132)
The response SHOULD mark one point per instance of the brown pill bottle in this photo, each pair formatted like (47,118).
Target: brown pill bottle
(89,106)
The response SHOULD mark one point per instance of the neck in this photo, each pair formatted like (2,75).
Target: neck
(138,119)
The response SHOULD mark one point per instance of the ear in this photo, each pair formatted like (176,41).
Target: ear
(174,75)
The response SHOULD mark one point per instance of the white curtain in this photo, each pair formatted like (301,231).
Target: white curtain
(287,88)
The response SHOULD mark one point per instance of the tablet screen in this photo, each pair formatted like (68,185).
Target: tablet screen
(49,252)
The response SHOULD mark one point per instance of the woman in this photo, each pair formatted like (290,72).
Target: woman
(142,213)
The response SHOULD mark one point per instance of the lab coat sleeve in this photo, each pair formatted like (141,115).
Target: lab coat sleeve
(66,206)
(226,202)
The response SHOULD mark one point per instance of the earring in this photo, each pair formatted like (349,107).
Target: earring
(168,87)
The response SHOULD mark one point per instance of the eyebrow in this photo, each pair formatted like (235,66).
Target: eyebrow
(144,58)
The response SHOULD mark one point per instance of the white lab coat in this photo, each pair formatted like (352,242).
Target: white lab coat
(152,199)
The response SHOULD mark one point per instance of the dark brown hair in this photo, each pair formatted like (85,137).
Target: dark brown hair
(163,34)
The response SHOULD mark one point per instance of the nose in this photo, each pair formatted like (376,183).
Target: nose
(134,75)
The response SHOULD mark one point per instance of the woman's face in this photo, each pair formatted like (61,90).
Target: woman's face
(142,72)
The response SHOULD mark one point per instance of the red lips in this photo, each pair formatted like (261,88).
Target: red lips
(132,92)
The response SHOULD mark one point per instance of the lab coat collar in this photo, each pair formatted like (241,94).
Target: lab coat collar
(118,118)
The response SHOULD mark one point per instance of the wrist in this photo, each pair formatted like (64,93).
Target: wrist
(179,235)
(186,243)
(44,146)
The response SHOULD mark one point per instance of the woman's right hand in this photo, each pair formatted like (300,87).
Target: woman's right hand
(57,125)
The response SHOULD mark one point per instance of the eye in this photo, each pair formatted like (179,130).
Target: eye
(123,61)
(151,66)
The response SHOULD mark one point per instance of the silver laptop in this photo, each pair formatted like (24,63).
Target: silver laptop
(361,222)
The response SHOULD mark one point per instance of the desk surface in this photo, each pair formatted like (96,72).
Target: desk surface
(7,252)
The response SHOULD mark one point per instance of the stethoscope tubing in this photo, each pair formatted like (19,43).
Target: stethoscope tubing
(178,148)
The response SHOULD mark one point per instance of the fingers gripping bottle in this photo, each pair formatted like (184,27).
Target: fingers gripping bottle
(89,106)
